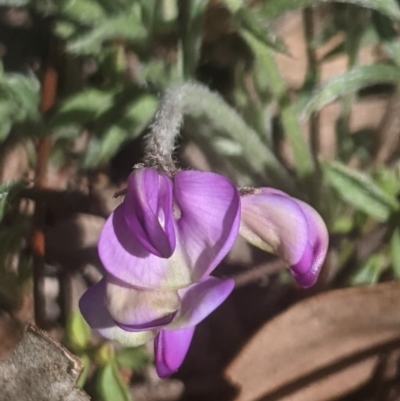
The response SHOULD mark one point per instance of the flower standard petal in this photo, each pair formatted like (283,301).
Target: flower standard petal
(209,209)
(287,227)
(170,349)
(134,309)
(148,211)
(199,300)
(94,310)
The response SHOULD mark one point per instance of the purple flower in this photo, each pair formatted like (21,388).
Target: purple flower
(161,244)
(170,233)
(288,227)
(133,316)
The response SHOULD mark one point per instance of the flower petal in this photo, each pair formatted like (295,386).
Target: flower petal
(134,309)
(287,227)
(94,310)
(148,211)
(199,300)
(170,349)
(125,258)
(306,271)
(209,207)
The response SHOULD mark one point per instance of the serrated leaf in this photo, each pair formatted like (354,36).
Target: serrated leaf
(369,272)
(360,191)
(275,8)
(135,358)
(110,386)
(395,251)
(77,331)
(350,82)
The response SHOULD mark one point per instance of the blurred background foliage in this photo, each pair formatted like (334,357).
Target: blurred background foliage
(80,81)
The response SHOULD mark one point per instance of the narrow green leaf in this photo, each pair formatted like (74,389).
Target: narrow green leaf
(84,374)
(360,191)
(110,386)
(135,358)
(301,152)
(252,21)
(370,271)
(127,25)
(77,331)
(7,192)
(275,8)
(82,107)
(350,82)
(395,251)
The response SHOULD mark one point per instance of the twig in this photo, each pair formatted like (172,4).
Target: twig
(258,272)
(37,242)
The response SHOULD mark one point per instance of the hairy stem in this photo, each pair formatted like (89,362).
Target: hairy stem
(198,101)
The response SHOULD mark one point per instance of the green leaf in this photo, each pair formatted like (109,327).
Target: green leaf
(84,11)
(251,20)
(110,386)
(126,25)
(77,331)
(135,358)
(7,193)
(138,115)
(301,152)
(360,191)
(350,82)
(395,251)
(370,271)
(84,374)
(275,8)
(14,3)
(103,148)
(82,108)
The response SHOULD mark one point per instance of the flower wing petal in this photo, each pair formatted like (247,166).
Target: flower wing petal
(307,270)
(199,300)
(170,349)
(209,207)
(135,309)
(94,310)
(287,227)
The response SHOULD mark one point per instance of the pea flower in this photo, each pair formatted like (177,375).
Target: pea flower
(287,227)
(159,248)
(172,229)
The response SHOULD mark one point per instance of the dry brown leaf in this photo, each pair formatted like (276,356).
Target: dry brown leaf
(304,353)
(40,369)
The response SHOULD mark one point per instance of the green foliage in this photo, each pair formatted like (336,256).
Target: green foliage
(370,271)
(349,83)
(275,8)
(135,358)
(360,191)
(110,385)
(19,96)
(77,332)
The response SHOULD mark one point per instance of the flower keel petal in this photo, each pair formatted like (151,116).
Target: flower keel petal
(170,349)
(93,308)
